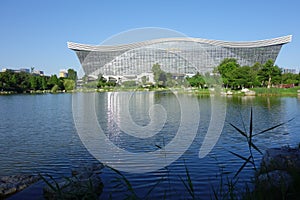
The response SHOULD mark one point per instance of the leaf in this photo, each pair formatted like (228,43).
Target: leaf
(215,193)
(126,181)
(119,185)
(242,121)
(154,186)
(273,127)
(189,186)
(48,183)
(242,157)
(242,167)
(239,130)
(189,180)
(256,148)
(251,127)
(186,186)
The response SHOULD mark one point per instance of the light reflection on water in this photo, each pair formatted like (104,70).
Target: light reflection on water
(38,135)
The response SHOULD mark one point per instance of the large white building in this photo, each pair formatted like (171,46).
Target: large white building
(174,55)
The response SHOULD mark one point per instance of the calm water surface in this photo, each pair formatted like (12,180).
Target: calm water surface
(38,135)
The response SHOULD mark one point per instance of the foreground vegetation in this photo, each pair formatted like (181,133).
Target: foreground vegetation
(23,82)
(264,79)
(276,91)
(229,187)
(266,75)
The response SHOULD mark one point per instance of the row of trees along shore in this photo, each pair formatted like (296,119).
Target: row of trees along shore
(25,82)
(235,76)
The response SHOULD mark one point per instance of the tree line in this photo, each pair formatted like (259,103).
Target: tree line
(235,76)
(164,79)
(21,82)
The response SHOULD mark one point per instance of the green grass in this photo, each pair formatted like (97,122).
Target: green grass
(203,92)
(276,91)
(81,189)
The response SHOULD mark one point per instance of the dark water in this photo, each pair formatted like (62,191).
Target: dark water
(38,135)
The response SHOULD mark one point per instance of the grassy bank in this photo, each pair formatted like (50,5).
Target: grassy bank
(276,91)
(258,91)
(196,91)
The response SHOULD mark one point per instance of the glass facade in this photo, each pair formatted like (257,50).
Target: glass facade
(174,56)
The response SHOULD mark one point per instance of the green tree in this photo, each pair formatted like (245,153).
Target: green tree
(170,82)
(44,83)
(196,81)
(129,83)
(102,82)
(69,84)
(39,82)
(160,77)
(257,66)
(244,76)
(227,71)
(144,80)
(289,78)
(22,81)
(53,80)
(298,79)
(19,82)
(13,80)
(5,79)
(156,70)
(54,89)
(61,83)
(270,74)
(33,82)
(72,74)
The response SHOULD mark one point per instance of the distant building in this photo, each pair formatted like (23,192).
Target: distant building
(63,73)
(25,70)
(38,72)
(292,71)
(174,55)
(80,83)
(35,72)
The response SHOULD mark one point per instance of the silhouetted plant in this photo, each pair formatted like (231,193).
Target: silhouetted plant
(188,184)
(124,183)
(249,137)
(80,190)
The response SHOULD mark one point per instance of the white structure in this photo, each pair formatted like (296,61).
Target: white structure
(174,55)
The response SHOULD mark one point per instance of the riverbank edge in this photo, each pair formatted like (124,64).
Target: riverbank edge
(268,184)
(276,92)
(279,174)
(10,185)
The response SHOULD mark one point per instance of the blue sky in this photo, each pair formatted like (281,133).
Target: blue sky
(34,33)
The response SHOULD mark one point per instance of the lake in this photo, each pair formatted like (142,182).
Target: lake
(151,137)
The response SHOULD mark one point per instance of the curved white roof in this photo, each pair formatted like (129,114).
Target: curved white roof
(249,44)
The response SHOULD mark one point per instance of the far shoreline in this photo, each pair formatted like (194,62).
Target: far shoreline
(263,92)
